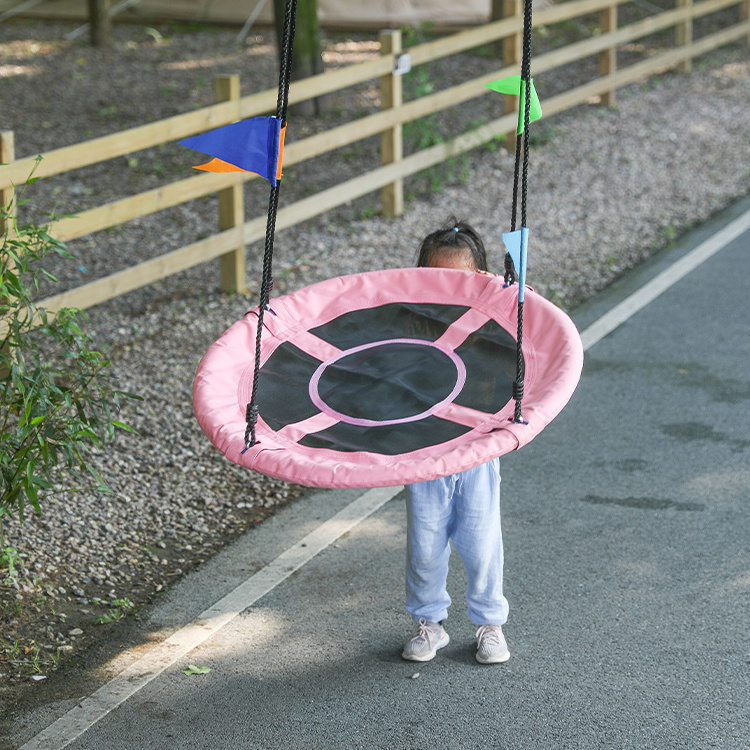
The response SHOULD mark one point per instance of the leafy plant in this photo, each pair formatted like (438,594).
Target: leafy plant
(29,659)
(8,557)
(57,402)
(425,131)
(117,612)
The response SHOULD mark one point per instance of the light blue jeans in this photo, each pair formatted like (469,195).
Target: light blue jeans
(465,509)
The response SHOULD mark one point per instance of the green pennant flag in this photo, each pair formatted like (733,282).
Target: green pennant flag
(514,85)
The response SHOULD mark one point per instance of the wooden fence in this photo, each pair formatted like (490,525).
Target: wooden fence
(235,232)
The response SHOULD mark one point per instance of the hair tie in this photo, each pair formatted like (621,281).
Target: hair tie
(455,229)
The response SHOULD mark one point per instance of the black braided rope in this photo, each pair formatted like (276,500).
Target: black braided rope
(516,174)
(520,368)
(510,276)
(526,78)
(282,104)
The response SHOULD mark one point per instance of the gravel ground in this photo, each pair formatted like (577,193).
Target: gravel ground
(607,189)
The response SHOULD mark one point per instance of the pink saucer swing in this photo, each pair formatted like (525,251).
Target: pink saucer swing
(365,382)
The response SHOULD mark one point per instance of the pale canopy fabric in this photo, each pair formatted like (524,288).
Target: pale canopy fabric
(376,14)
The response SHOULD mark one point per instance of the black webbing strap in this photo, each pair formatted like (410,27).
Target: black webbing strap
(282,103)
(522,144)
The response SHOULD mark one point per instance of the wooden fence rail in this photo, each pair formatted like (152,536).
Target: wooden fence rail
(228,244)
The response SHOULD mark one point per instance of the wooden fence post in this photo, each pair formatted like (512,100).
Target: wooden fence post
(512,53)
(7,155)
(684,35)
(231,205)
(100,25)
(608,57)
(391,140)
(497,13)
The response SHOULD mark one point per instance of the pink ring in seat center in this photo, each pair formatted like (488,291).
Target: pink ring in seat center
(360,422)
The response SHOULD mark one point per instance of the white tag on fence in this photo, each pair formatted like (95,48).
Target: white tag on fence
(403,64)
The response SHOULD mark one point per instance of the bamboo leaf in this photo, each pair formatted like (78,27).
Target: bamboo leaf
(125,427)
(192,669)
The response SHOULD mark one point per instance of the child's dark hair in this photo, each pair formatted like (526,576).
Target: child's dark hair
(454,234)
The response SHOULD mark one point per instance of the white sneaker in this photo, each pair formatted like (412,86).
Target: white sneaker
(491,646)
(425,642)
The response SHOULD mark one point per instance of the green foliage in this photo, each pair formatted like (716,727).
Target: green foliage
(368,212)
(28,659)
(117,612)
(57,402)
(541,134)
(412,36)
(493,145)
(8,558)
(424,132)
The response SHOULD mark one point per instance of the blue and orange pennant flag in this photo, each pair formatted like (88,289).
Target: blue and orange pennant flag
(516,86)
(255,145)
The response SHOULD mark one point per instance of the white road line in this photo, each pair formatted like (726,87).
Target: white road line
(108,697)
(658,285)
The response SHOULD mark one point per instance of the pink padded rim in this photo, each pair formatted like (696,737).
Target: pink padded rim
(552,351)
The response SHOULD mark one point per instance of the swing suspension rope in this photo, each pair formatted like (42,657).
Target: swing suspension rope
(522,145)
(282,103)
(521,169)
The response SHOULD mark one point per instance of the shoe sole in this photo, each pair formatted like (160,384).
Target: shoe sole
(495,659)
(442,643)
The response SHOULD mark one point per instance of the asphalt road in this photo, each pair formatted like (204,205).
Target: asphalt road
(627,570)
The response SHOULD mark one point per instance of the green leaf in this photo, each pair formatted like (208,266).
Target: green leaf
(192,669)
(103,619)
(25,416)
(32,495)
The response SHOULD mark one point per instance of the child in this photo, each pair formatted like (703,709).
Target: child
(464,508)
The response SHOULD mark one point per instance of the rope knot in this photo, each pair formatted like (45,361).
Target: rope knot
(251,417)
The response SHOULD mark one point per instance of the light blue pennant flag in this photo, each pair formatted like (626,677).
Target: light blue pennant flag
(517,244)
